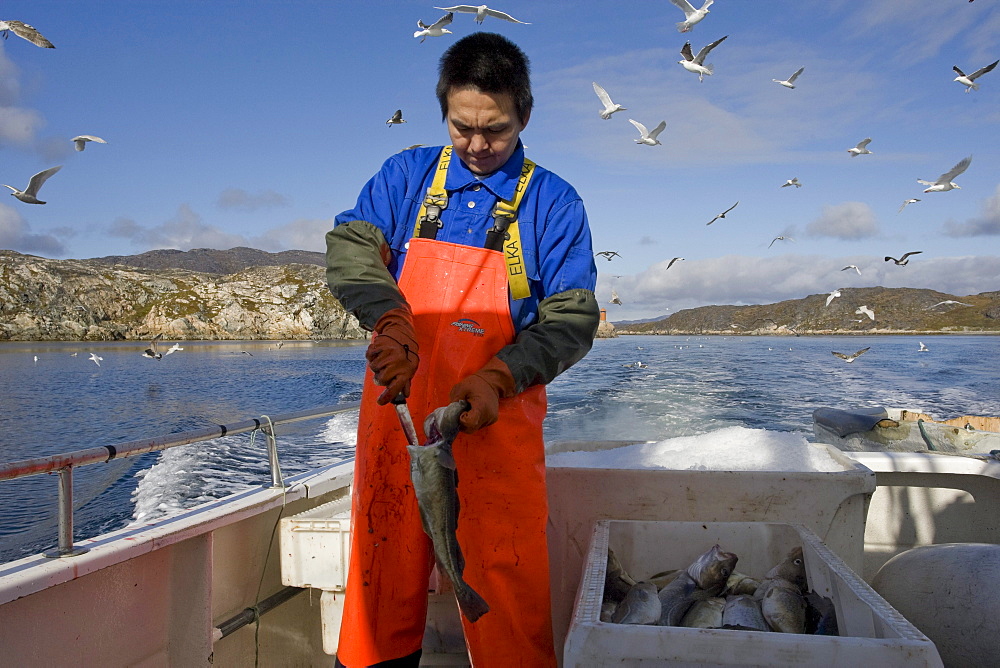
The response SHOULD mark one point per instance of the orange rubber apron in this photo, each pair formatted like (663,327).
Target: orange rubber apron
(462,316)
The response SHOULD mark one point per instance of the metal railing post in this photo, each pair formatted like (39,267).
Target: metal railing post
(66,548)
(272,457)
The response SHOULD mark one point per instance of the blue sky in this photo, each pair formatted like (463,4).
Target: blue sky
(256,123)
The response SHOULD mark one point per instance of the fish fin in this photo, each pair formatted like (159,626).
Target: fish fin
(473,605)
(446,459)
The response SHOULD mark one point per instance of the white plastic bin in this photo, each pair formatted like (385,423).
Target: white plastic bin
(872,632)
(315,546)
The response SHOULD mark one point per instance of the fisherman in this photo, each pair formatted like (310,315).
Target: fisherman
(474,270)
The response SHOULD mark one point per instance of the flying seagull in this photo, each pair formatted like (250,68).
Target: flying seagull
(779,239)
(853,356)
(676,259)
(794,181)
(30,194)
(151,352)
(969,81)
(649,138)
(609,106)
(29,33)
(396,119)
(790,81)
(833,295)
(696,64)
(944,181)
(852,266)
(435,29)
(912,200)
(608,254)
(723,214)
(481,12)
(95,359)
(81,141)
(923,348)
(947,302)
(863,309)
(861,148)
(902,261)
(615,299)
(691,15)
(173,349)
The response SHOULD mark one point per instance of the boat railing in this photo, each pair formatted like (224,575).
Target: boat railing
(64,463)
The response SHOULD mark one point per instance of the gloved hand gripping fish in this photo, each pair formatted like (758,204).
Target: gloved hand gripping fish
(435,482)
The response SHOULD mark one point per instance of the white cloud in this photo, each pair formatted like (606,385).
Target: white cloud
(18,125)
(241,200)
(741,280)
(302,234)
(15,234)
(848,220)
(986,223)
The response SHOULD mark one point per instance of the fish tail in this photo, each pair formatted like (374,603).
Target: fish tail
(473,605)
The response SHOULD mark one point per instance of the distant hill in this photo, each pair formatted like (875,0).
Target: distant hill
(213,261)
(897,310)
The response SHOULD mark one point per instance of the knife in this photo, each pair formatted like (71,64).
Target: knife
(405,420)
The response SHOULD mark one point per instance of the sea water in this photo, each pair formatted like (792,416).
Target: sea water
(686,386)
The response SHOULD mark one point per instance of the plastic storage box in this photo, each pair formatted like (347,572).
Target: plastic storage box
(315,546)
(872,632)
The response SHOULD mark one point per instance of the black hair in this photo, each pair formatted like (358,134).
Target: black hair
(491,63)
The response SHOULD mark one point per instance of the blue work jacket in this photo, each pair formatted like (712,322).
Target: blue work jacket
(555,234)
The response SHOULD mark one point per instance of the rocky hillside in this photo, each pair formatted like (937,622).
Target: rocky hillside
(52,300)
(897,310)
(214,261)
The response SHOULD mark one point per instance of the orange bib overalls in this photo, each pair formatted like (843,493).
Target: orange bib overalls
(459,298)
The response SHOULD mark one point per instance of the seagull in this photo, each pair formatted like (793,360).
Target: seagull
(696,64)
(615,299)
(29,33)
(36,359)
(396,119)
(923,348)
(853,356)
(29,194)
(81,141)
(833,295)
(790,81)
(243,352)
(609,106)
(608,254)
(95,359)
(649,138)
(481,12)
(861,148)
(779,239)
(912,200)
(691,15)
(279,344)
(173,349)
(635,365)
(902,261)
(852,266)
(794,181)
(944,181)
(435,29)
(947,302)
(723,214)
(676,259)
(151,351)
(969,80)
(866,311)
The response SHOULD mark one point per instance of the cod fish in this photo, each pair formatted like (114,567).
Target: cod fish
(641,605)
(705,614)
(676,598)
(740,583)
(791,568)
(712,569)
(617,584)
(435,483)
(783,606)
(743,612)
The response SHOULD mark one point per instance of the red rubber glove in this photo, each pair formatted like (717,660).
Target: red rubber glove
(392,354)
(483,390)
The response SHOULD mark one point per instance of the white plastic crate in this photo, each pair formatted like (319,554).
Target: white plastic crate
(315,546)
(872,632)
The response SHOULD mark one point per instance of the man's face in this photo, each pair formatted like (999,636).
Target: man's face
(484,128)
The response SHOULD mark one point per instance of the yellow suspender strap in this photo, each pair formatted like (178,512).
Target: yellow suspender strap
(436,198)
(513,251)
